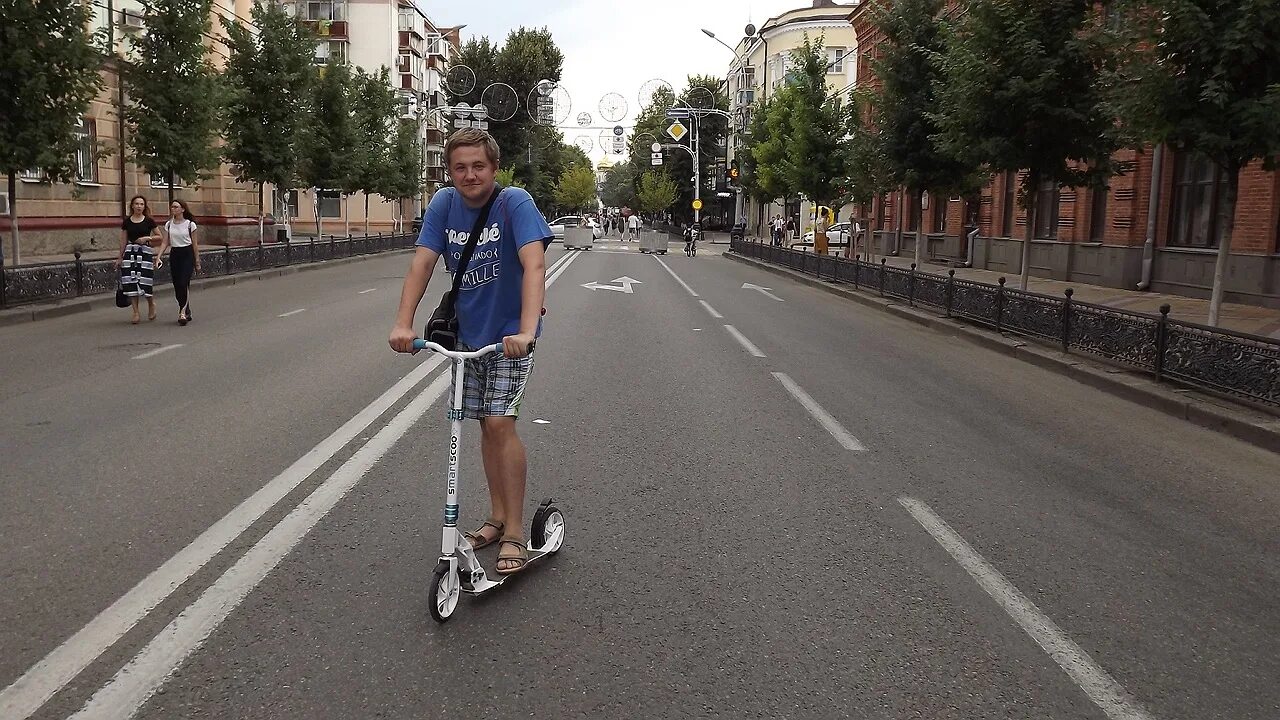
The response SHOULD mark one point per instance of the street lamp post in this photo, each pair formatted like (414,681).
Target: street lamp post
(739,204)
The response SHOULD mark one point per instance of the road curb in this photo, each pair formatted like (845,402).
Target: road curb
(62,308)
(1241,422)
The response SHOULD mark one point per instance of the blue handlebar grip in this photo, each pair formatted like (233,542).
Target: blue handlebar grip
(419,344)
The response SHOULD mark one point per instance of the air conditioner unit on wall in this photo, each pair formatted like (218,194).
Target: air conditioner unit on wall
(130,20)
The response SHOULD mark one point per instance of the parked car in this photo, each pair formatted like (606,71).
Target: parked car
(837,238)
(559,224)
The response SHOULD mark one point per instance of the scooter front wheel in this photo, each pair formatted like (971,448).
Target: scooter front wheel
(444,591)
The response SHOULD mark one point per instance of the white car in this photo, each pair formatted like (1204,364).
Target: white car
(837,234)
(559,224)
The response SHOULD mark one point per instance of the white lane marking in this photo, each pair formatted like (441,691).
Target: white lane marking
(157,351)
(674,275)
(1105,692)
(29,692)
(560,267)
(833,426)
(742,339)
(762,290)
(125,693)
(366,292)
(711,310)
(292,312)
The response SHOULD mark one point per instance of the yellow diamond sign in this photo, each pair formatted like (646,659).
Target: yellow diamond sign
(677,130)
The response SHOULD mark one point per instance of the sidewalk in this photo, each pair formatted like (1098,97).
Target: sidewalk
(1241,318)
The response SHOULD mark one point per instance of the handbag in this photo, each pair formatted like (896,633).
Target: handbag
(442,328)
(122,300)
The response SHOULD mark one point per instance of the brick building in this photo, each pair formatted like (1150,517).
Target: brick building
(1100,236)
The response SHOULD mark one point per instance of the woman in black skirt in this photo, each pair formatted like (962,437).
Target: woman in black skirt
(180,236)
(136,258)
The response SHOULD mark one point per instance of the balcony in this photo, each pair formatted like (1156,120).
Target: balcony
(435,174)
(435,136)
(331,29)
(410,82)
(412,42)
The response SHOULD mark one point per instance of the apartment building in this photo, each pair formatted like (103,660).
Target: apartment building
(371,34)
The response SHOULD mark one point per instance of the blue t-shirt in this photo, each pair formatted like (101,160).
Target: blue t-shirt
(489,300)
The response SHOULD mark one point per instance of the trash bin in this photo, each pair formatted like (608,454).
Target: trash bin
(579,238)
(282,234)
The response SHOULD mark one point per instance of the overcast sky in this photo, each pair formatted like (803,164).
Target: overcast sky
(618,45)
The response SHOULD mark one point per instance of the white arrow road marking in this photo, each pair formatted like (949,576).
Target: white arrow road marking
(626,283)
(365,292)
(1105,692)
(157,351)
(292,312)
(762,290)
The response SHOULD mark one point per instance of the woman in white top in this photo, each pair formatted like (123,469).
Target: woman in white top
(180,237)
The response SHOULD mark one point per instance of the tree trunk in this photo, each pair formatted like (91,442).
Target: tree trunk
(262,220)
(346,213)
(1033,187)
(897,240)
(169,175)
(1225,216)
(366,214)
(15,257)
(315,207)
(918,210)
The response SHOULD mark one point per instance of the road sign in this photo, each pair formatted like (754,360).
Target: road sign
(677,113)
(697,204)
(656,147)
(618,131)
(618,145)
(656,158)
(677,130)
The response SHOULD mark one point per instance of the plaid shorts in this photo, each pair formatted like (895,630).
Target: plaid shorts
(494,385)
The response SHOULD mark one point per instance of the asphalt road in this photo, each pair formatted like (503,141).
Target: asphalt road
(779,504)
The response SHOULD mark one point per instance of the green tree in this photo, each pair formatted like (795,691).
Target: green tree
(268,77)
(176,97)
(868,170)
(767,148)
(815,159)
(576,191)
(403,178)
(1203,77)
(49,72)
(507,178)
(908,71)
(330,135)
(373,117)
(656,193)
(619,188)
(1021,88)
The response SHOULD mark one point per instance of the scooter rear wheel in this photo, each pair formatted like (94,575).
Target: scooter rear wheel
(444,591)
(546,521)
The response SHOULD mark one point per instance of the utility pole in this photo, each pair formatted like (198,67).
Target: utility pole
(697,175)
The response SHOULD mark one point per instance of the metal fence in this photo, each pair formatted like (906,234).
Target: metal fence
(58,280)
(1234,363)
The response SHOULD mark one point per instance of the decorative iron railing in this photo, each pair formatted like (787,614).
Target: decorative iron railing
(1239,364)
(75,278)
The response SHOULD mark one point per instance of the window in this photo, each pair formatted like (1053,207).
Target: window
(1010,201)
(881,202)
(284,206)
(835,60)
(938,208)
(325,10)
(1199,189)
(1047,210)
(33,176)
(158,180)
(1098,213)
(87,151)
(330,204)
(777,70)
(331,51)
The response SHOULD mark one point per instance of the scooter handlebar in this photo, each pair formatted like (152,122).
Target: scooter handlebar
(420,344)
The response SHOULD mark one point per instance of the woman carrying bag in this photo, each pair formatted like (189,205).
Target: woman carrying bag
(180,239)
(136,260)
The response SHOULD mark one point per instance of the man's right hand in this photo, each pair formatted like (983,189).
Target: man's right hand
(402,338)
(118,262)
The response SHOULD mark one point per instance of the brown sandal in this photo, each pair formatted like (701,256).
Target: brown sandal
(474,536)
(522,558)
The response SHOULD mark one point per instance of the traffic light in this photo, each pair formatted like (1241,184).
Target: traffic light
(733,172)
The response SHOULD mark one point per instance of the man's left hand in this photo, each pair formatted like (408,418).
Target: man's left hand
(517,346)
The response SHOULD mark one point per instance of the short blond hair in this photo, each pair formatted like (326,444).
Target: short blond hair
(469,137)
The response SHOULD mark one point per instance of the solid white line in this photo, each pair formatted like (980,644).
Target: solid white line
(677,277)
(157,351)
(833,426)
(121,697)
(29,692)
(561,267)
(292,312)
(711,310)
(742,339)
(366,292)
(1105,692)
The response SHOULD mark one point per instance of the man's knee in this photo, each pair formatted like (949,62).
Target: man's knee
(498,427)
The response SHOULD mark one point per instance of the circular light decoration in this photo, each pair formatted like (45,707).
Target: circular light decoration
(700,98)
(501,101)
(550,108)
(584,143)
(613,107)
(584,119)
(459,81)
(648,89)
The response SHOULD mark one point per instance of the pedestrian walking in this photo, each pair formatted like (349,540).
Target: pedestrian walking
(180,240)
(634,226)
(136,260)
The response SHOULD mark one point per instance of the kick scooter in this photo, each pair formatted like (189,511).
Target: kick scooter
(459,571)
